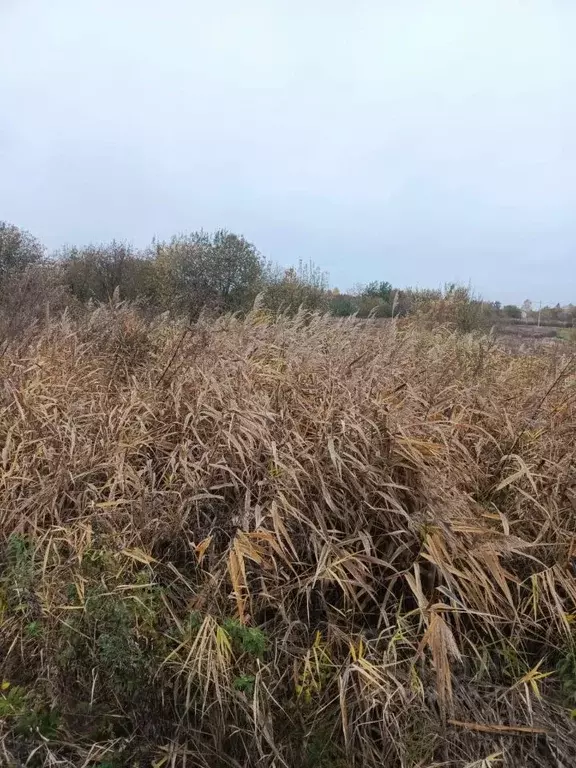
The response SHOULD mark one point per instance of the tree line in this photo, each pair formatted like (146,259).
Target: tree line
(220,272)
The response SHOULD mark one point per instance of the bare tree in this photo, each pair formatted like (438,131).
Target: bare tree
(96,271)
(18,250)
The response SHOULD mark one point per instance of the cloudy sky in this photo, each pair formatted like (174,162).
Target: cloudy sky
(416,141)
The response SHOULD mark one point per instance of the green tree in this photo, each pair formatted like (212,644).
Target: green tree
(343,305)
(379,290)
(376,298)
(512,311)
(220,270)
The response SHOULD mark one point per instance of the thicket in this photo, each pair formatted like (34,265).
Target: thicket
(216,273)
(280,538)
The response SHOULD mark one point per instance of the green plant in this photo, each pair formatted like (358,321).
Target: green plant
(566,670)
(250,640)
(245,683)
(16,705)
(109,764)
(321,750)
(34,629)
(12,700)
(18,577)
(104,634)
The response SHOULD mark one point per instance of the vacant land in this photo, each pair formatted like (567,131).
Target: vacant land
(285,542)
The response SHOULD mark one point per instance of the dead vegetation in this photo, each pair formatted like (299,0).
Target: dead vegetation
(285,542)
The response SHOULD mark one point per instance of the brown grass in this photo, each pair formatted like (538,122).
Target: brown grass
(285,542)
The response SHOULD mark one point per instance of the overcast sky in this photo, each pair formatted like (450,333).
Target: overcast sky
(415,142)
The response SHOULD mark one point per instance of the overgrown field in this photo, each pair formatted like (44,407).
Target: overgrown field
(285,542)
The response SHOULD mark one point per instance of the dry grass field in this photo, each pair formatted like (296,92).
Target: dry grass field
(285,542)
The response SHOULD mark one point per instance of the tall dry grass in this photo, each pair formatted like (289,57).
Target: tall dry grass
(285,542)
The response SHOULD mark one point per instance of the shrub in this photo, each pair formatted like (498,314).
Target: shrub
(96,272)
(341,305)
(222,271)
(456,308)
(18,250)
(305,287)
(512,311)
(30,298)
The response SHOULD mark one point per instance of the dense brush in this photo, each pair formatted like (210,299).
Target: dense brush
(280,541)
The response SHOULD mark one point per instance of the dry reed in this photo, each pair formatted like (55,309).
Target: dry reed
(285,542)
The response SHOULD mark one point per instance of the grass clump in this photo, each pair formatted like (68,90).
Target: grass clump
(285,541)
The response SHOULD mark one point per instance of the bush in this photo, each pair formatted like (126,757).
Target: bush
(456,308)
(341,305)
(96,272)
(18,250)
(512,311)
(221,271)
(31,297)
(292,289)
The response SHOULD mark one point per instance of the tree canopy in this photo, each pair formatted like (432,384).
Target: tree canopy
(18,249)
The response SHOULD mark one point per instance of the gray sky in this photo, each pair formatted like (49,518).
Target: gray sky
(416,142)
